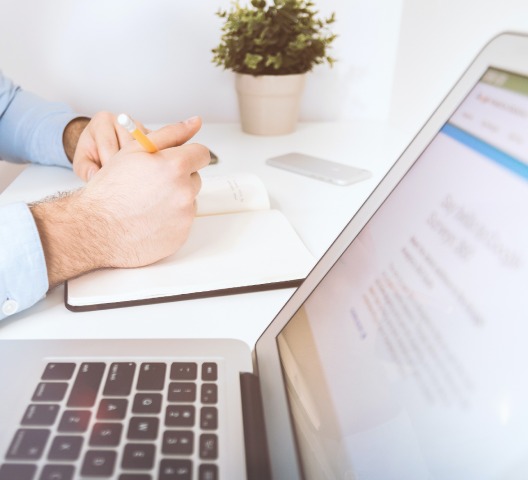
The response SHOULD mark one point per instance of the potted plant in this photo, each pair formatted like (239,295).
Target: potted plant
(271,48)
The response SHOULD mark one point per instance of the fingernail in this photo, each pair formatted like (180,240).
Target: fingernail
(191,120)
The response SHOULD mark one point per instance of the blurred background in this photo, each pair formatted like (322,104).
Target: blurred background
(152,59)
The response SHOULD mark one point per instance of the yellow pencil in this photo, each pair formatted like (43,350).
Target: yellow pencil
(125,121)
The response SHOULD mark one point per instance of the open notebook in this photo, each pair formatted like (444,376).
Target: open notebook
(401,356)
(236,245)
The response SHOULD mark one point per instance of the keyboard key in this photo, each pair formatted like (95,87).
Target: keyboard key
(41,415)
(65,447)
(86,385)
(112,409)
(209,372)
(147,403)
(179,416)
(106,434)
(209,418)
(120,378)
(58,371)
(50,392)
(175,470)
(182,392)
(151,376)
(74,421)
(138,456)
(134,476)
(209,393)
(28,444)
(184,371)
(208,471)
(143,428)
(178,442)
(12,471)
(57,472)
(208,446)
(98,463)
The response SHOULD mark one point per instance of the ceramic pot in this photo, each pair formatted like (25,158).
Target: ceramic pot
(269,104)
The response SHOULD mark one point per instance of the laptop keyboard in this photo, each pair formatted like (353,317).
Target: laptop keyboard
(122,420)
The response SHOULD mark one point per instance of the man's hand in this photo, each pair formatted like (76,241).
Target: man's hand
(94,142)
(135,211)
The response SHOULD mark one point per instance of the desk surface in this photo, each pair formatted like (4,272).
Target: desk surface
(317,210)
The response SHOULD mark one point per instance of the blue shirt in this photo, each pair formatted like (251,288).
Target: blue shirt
(31,130)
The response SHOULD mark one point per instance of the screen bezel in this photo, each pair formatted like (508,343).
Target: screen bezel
(507,51)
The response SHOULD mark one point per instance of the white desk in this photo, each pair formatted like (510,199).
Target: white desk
(317,210)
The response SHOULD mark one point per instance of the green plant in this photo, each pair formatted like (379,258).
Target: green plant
(282,38)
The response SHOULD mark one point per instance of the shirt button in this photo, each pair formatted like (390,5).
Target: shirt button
(9,307)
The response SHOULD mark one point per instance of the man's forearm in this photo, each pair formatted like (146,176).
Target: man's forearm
(71,135)
(73,238)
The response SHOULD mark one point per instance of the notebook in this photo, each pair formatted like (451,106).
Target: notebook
(402,354)
(237,244)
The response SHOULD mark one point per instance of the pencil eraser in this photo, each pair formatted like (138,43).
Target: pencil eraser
(125,121)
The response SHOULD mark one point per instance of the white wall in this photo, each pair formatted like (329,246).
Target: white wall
(397,58)
(438,40)
(152,58)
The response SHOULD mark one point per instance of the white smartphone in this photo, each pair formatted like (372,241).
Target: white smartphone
(315,167)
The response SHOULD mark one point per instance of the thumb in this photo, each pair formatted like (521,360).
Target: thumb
(176,134)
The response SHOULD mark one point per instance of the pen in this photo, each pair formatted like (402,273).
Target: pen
(125,121)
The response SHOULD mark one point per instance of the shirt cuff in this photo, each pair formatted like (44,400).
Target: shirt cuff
(23,272)
(32,130)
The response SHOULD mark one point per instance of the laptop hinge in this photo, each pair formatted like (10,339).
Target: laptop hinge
(257,455)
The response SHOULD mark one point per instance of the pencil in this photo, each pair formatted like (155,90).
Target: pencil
(125,121)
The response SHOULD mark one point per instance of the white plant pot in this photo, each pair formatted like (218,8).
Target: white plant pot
(269,104)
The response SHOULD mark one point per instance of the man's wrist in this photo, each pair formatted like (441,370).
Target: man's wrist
(71,241)
(71,134)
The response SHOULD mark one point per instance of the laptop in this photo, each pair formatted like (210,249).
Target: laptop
(402,355)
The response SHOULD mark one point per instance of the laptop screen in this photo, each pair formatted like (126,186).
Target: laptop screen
(409,358)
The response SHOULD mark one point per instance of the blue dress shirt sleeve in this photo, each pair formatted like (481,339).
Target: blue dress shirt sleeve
(23,275)
(31,130)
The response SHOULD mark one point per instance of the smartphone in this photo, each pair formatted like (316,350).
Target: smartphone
(319,168)
(214,157)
